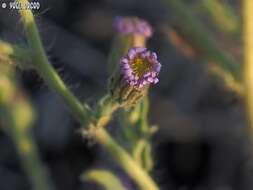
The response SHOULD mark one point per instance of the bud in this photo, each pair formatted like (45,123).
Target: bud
(133,25)
(131,32)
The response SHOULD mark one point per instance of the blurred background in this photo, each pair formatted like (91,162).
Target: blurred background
(202,142)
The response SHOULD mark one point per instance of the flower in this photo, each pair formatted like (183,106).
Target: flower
(136,71)
(140,67)
(133,25)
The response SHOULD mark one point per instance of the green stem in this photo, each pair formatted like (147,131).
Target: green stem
(144,115)
(104,110)
(143,180)
(247,39)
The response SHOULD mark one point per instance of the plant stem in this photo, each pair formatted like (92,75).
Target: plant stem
(45,69)
(143,180)
(17,116)
(247,39)
(126,162)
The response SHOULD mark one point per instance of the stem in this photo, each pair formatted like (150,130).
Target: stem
(16,116)
(127,163)
(247,39)
(144,115)
(46,71)
(105,108)
(27,150)
(143,180)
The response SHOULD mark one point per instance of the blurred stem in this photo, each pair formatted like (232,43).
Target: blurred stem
(179,41)
(120,45)
(222,15)
(16,116)
(201,39)
(247,39)
(16,53)
(142,179)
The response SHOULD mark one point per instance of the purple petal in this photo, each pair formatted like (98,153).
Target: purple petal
(156,80)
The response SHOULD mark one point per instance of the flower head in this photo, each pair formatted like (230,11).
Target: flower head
(140,67)
(133,25)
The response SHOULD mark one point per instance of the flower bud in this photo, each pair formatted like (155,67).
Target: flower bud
(133,25)
(131,32)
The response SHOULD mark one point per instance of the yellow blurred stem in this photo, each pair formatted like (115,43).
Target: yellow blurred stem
(247,39)
(16,115)
(228,80)
(9,51)
(104,178)
(200,38)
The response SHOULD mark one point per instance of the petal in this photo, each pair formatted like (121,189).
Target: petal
(156,80)
(150,79)
(131,53)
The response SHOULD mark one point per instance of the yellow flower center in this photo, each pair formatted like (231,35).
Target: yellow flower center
(140,66)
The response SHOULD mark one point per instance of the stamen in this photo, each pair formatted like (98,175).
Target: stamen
(140,66)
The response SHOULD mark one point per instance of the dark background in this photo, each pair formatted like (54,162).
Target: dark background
(202,141)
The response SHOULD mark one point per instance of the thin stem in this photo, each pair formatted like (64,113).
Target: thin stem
(247,39)
(142,179)
(144,114)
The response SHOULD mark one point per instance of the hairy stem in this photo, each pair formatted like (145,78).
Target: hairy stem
(45,69)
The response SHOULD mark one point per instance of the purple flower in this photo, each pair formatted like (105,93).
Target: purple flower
(140,67)
(132,25)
